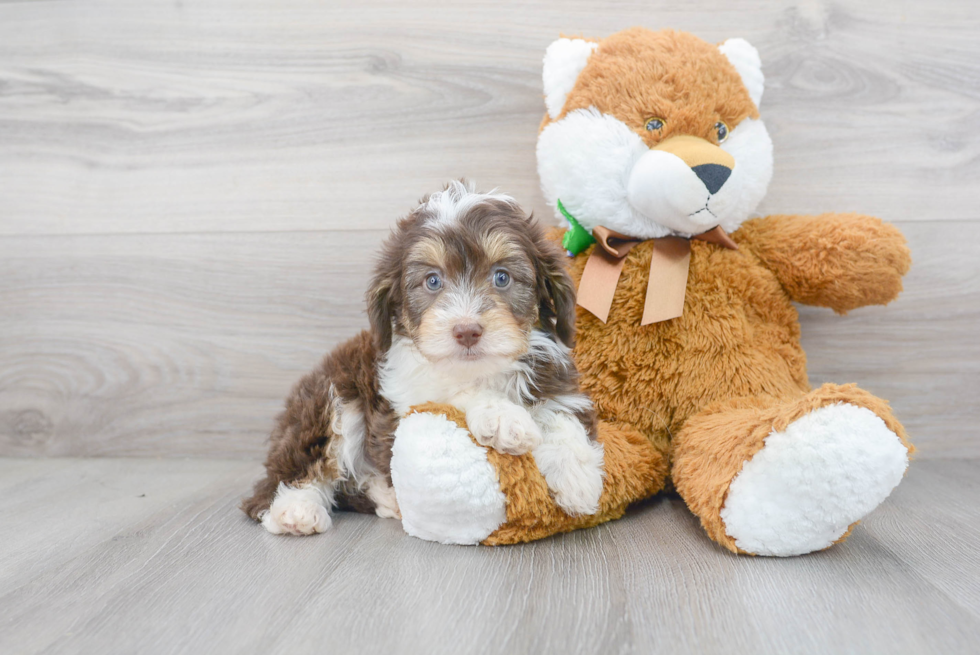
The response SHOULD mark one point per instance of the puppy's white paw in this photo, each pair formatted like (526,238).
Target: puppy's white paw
(383,497)
(503,426)
(298,511)
(574,473)
(571,463)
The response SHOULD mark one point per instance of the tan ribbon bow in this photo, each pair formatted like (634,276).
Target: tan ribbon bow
(669,263)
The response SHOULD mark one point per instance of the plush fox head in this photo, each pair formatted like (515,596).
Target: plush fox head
(653,133)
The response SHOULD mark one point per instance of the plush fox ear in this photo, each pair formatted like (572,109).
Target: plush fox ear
(563,61)
(745,58)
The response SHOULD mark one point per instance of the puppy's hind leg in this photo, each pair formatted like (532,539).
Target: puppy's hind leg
(572,464)
(300,509)
(297,492)
(382,495)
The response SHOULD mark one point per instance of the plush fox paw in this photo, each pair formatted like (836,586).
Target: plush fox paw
(812,481)
(446,488)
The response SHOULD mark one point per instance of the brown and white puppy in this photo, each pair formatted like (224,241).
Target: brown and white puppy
(470,305)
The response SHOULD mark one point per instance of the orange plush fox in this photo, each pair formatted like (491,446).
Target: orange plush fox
(654,154)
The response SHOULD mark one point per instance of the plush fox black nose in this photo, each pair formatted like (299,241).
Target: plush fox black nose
(713,176)
(467,335)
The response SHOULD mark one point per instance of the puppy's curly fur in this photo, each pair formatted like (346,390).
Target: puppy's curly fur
(470,305)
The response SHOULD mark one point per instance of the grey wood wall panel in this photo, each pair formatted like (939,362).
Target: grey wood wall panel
(210,116)
(185,345)
(153,557)
(190,193)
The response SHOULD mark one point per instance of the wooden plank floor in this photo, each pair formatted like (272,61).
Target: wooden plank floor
(140,556)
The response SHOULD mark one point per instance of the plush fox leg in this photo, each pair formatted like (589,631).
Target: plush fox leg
(790,476)
(453,490)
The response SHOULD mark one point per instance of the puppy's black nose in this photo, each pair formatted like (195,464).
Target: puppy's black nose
(714,176)
(467,335)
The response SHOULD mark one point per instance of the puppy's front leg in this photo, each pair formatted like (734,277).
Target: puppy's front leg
(499,423)
(572,464)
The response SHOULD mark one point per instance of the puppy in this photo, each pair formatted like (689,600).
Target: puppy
(471,306)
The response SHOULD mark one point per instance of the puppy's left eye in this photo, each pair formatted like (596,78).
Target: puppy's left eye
(501,279)
(433,282)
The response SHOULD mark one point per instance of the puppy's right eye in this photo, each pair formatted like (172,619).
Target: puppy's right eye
(433,282)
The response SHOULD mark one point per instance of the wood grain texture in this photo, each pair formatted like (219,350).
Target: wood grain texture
(215,116)
(121,556)
(191,192)
(185,345)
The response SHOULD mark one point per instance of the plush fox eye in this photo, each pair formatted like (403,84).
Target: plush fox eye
(433,282)
(722,131)
(501,279)
(654,124)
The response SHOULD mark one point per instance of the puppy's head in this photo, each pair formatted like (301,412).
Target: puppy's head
(467,276)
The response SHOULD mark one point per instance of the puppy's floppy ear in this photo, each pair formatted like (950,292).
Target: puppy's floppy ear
(384,294)
(382,309)
(556,291)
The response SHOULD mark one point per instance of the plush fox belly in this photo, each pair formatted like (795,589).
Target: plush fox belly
(770,466)
(738,336)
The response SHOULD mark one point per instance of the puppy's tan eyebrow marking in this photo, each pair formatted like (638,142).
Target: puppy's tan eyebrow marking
(497,245)
(430,251)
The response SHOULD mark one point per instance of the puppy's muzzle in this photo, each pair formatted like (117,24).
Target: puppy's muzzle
(467,335)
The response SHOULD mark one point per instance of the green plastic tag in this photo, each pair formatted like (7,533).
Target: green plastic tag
(576,239)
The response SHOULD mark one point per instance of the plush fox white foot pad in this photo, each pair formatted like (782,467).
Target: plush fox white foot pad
(447,489)
(810,482)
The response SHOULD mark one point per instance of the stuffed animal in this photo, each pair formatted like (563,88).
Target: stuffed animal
(453,490)
(654,155)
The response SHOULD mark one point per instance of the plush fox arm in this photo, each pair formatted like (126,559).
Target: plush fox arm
(841,261)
